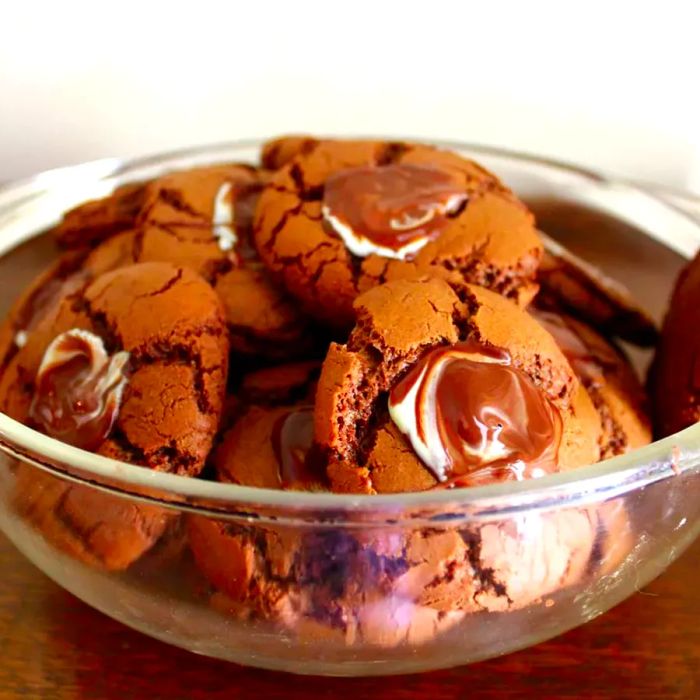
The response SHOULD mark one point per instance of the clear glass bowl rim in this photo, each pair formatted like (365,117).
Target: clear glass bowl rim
(667,458)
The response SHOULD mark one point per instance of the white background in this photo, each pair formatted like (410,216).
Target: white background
(609,85)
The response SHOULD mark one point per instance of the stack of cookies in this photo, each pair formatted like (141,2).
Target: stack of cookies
(360,317)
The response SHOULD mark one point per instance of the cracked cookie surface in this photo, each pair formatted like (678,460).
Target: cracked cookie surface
(398,324)
(170,323)
(485,236)
(94,221)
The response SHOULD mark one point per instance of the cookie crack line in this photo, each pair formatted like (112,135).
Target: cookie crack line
(305,192)
(182,354)
(174,198)
(166,287)
(271,241)
(100,322)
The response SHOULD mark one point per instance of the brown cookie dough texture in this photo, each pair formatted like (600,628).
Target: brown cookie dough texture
(278,152)
(99,219)
(610,380)
(256,451)
(674,379)
(103,531)
(61,278)
(398,323)
(171,324)
(490,240)
(286,384)
(568,282)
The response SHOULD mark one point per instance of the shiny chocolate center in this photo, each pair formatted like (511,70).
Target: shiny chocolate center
(473,417)
(292,437)
(78,389)
(390,207)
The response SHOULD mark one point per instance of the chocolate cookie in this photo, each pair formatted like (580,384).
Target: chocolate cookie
(609,379)
(340,217)
(97,220)
(569,282)
(433,390)
(674,379)
(320,586)
(131,366)
(146,345)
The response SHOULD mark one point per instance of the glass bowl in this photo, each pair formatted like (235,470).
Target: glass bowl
(361,585)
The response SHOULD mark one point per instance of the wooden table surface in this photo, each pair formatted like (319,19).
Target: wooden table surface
(54,646)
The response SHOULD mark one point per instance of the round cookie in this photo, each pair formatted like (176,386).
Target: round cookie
(161,329)
(571,283)
(340,217)
(674,377)
(609,379)
(131,366)
(476,388)
(320,586)
(97,220)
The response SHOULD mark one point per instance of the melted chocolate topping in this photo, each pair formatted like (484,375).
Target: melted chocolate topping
(393,205)
(475,417)
(292,438)
(78,389)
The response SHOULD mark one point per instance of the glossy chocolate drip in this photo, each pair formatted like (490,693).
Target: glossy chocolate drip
(392,205)
(475,417)
(582,360)
(292,438)
(78,389)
